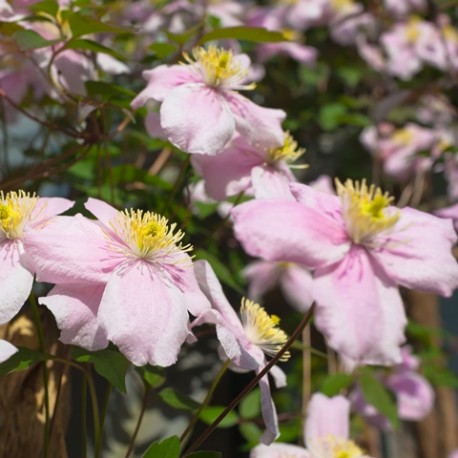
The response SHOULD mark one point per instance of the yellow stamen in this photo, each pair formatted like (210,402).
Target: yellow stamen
(342,5)
(219,67)
(412,29)
(364,210)
(403,136)
(15,211)
(450,33)
(262,329)
(148,234)
(336,447)
(288,152)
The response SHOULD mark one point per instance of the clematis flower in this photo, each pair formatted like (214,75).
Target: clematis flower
(200,108)
(7,350)
(245,341)
(148,278)
(327,433)
(360,248)
(449,212)
(22,216)
(234,169)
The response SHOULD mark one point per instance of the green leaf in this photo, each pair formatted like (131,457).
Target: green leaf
(204,454)
(107,90)
(250,407)
(89,45)
(251,432)
(22,359)
(162,50)
(220,269)
(210,413)
(28,39)
(110,364)
(254,34)
(331,115)
(333,384)
(377,395)
(50,7)
(178,400)
(152,375)
(167,448)
(85,25)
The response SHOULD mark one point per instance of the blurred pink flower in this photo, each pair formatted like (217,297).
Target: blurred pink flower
(148,276)
(22,217)
(200,110)
(245,341)
(360,248)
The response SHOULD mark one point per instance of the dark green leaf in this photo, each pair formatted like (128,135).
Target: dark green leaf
(89,45)
(50,7)
(250,407)
(21,360)
(85,25)
(331,115)
(177,400)
(28,39)
(107,90)
(210,413)
(153,376)
(254,34)
(333,384)
(167,448)
(163,50)
(376,394)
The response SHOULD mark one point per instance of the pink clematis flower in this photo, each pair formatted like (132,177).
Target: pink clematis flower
(7,350)
(327,433)
(126,278)
(449,212)
(234,170)
(360,248)
(200,108)
(245,341)
(22,216)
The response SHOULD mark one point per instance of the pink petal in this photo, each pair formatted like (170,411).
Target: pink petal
(197,119)
(296,284)
(359,310)
(15,281)
(161,80)
(269,414)
(325,202)
(148,323)
(70,250)
(420,259)
(49,207)
(104,212)
(278,450)
(260,126)
(326,417)
(7,350)
(75,309)
(153,125)
(278,230)
(271,183)
(414,394)
(262,276)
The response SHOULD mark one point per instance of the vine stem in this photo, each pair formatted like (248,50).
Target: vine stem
(139,422)
(207,399)
(297,332)
(41,341)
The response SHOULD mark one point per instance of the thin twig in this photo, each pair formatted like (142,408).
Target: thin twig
(139,422)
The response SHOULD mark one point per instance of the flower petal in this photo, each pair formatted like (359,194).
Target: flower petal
(104,212)
(278,450)
(7,350)
(278,230)
(15,281)
(296,284)
(148,323)
(75,309)
(196,119)
(262,276)
(269,414)
(49,207)
(420,259)
(359,310)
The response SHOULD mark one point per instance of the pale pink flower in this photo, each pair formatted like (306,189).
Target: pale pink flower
(7,350)
(449,212)
(245,340)
(327,433)
(200,108)
(453,454)
(22,216)
(294,280)
(360,248)
(403,7)
(233,170)
(148,276)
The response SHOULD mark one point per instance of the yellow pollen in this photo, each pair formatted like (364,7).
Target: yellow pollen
(450,33)
(364,210)
(403,136)
(412,29)
(337,447)
(15,211)
(219,67)
(342,5)
(288,152)
(262,329)
(148,235)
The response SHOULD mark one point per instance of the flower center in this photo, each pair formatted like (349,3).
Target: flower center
(342,6)
(262,329)
(148,234)
(288,152)
(412,30)
(403,137)
(335,447)
(219,67)
(15,211)
(364,210)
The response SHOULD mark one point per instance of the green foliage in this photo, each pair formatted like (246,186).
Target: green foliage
(250,407)
(210,413)
(21,360)
(335,383)
(167,448)
(153,376)
(204,454)
(253,34)
(28,39)
(177,400)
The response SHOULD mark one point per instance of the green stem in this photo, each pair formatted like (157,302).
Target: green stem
(207,399)
(95,413)
(105,405)
(41,340)
(254,381)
